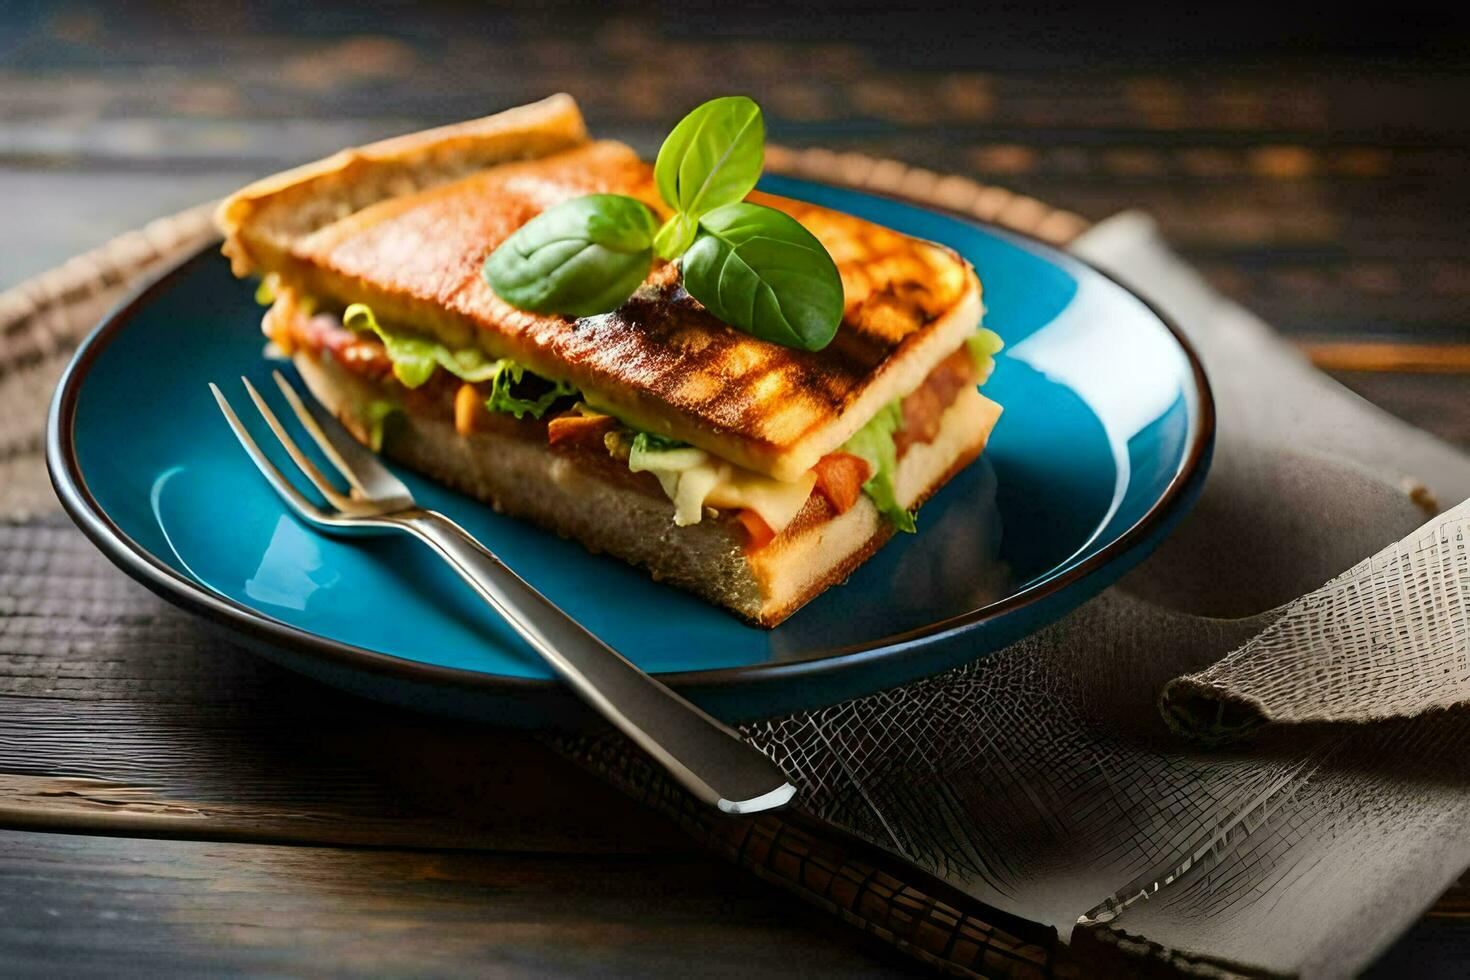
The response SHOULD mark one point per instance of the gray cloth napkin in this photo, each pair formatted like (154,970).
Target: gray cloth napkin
(1042,780)
(1309,481)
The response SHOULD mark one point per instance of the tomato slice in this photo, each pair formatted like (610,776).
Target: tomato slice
(840,478)
(758,532)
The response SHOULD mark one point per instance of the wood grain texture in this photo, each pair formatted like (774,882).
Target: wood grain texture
(1381,357)
(141,721)
(75,905)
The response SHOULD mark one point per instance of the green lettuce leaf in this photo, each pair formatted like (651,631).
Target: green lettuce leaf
(874,443)
(415,356)
(651,452)
(508,373)
(377,414)
(265,293)
(983,346)
(652,442)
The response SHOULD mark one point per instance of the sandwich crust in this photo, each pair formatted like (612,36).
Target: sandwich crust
(405,226)
(261,221)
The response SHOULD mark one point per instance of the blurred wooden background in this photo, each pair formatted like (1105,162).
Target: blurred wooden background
(1313,167)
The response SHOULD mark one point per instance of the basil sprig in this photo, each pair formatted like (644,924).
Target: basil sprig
(753,267)
(712,158)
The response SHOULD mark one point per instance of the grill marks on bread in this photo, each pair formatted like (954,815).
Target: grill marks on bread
(661,359)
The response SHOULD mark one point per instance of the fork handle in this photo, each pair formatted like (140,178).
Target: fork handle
(707,758)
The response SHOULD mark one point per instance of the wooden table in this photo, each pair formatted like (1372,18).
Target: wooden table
(187,809)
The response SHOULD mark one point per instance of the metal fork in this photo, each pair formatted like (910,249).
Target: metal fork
(706,757)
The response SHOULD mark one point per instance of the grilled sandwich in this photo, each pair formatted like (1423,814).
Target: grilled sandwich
(739,469)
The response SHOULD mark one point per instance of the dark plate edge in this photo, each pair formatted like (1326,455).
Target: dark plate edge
(64,469)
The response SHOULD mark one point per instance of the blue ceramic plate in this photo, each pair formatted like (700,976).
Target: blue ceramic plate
(1104,441)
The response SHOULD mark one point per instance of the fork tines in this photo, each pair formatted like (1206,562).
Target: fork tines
(373,491)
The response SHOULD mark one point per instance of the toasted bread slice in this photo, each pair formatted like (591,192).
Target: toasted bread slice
(513,469)
(405,226)
(264,220)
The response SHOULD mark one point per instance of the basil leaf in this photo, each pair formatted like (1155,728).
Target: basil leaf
(675,237)
(713,157)
(760,271)
(583,257)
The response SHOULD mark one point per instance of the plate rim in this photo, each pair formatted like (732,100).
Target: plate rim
(64,468)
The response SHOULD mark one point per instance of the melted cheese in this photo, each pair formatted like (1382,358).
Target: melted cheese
(777,501)
(693,480)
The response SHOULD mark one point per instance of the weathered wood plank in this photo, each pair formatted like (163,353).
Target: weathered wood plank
(1369,357)
(118,710)
(255,770)
(1328,201)
(80,905)
(640,67)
